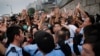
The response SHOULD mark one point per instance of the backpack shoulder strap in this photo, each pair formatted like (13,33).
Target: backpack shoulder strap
(36,51)
(11,50)
(65,48)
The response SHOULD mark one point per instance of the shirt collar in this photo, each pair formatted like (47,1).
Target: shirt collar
(16,47)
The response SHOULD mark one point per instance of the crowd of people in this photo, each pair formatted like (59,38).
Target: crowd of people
(55,33)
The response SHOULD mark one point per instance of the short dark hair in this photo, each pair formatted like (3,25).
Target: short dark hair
(70,19)
(66,31)
(61,34)
(91,18)
(44,41)
(11,32)
(59,23)
(90,30)
(94,41)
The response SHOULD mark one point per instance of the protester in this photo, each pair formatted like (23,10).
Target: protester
(44,32)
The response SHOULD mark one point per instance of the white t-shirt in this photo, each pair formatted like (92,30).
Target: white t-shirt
(72,29)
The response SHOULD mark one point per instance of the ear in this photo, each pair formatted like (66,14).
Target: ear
(16,36)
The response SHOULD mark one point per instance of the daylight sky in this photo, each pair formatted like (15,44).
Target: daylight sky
(17,6)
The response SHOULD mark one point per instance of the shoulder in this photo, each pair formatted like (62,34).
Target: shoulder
(56,53)
(30,47)
(10,51)
(13,50)
(72,26)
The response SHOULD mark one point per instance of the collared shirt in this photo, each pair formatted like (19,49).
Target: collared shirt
(52,53)
(72,30)
(31,49)
(12,53)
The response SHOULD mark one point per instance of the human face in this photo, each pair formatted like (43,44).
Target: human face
(87,50)
(86,22)
(56,28)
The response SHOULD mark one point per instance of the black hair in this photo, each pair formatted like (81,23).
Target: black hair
(70,19)
(66,31)
(95,42)
(97,18)
(91,18)
(44,41)
(61,34)
(11,32)
(59,23)
(93,37)
(90,30)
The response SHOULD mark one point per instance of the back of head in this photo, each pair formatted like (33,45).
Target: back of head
(91,30)
(92,19)
(63,34)
(44,41)
(92,37)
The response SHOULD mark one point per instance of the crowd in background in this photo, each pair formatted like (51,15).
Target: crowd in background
(55,33)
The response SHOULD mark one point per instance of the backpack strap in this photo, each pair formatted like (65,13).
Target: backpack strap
(12,50)
(36,51)
(77,39)
(65,48)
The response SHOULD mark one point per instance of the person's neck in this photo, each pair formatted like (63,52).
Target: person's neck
(16,43)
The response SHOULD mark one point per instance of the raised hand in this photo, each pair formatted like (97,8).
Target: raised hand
(78,6)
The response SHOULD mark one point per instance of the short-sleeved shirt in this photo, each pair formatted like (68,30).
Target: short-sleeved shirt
(31,49)
(52,53)
(16,52)
(72,29)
